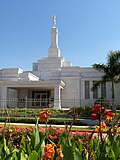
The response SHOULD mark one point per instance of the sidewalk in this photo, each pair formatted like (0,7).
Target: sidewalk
(27,124)
(90,122)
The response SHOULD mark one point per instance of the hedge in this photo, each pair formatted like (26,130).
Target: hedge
(33,121)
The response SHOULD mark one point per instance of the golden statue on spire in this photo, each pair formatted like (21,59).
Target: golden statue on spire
(54,20)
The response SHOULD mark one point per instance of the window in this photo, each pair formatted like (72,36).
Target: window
(87,90)
(40,98)
(103,90)
(95,91)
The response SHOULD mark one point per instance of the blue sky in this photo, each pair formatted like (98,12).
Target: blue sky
(88,29)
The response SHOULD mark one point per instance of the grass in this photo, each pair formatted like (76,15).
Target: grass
(84,128)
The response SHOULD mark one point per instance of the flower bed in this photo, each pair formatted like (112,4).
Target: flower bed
(54,143)
(14,133)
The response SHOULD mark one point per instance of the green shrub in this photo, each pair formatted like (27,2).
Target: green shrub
(118,107)
(33,120)
(103,102)
(82,112)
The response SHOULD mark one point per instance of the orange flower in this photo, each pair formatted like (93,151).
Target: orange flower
(94,116)
(108,119)
(97,128)
(96,108)
(48,152)
(102,124)
(109,113)
(60,154)
(44,115)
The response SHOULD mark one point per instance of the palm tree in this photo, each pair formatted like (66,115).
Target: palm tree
(111,72)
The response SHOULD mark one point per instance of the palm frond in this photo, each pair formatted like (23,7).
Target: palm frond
(113,59)
(117,79)
(95,85)
(106,78)
(99,67)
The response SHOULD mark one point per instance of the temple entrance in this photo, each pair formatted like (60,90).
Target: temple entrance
(40,98)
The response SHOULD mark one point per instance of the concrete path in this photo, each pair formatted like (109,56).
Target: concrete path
(27,124)
(90,123)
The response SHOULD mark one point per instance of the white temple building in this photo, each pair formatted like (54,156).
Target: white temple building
(53,82)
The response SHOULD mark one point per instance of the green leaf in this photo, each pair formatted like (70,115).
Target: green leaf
(85,154)
(22,156)
(116,147)
(95,147)
(77,155)
(79,144)
(15,157)
(40,149)
(69,141)
(26,146)
(111,155)
(68,152)
(7,151)
(33,156)
(35,139)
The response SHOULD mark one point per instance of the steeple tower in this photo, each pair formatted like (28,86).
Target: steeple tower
(54,50)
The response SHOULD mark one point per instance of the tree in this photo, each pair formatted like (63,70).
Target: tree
(111,72)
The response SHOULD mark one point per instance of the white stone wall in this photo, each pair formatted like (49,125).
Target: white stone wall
(27,76)
(12,96)
(23,95)
(11,72)
(50,63)
(3,96)
(117,92)
(69,72)
(35,66)
(109,91)
(70,92)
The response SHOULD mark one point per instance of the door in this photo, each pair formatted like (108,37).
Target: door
(41,99)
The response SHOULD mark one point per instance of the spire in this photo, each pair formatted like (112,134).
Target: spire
(54,21)
(54,50)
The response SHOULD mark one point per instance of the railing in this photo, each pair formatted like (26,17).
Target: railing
(49,103)
(23,107)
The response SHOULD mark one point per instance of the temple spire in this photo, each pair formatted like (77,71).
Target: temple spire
(54,50)
(54,21)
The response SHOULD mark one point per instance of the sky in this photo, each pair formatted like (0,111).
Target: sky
(88,30)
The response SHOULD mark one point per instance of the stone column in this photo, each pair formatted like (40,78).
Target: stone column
(54,37)
(57,100)
(99,92)
(82,86)
(3,96)
(91,93)
(54,50)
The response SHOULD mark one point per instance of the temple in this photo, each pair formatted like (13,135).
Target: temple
(53,82)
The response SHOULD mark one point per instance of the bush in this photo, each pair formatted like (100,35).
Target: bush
(103,102)
(82,112)
(118,107)
(33,120)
